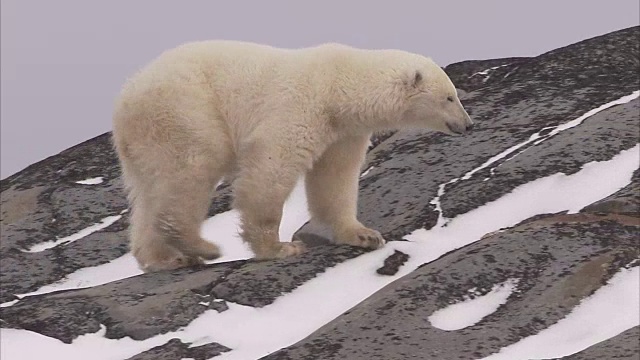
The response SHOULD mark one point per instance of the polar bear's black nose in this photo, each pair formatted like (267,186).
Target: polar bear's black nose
(469,127)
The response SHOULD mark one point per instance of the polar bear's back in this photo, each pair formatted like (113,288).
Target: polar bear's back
(225,83)
(227,67)
(239,82)
(210,59)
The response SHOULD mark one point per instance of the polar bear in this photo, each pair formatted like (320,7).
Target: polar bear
(263,116)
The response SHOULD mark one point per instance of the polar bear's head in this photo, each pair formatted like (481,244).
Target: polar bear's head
(391,89)
(431,100)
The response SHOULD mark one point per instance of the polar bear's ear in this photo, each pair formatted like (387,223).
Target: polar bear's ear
(417,79)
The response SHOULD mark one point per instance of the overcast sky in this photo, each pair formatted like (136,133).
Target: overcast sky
(64,61)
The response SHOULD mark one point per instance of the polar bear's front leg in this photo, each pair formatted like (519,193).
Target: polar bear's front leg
(332,192)
(266,177)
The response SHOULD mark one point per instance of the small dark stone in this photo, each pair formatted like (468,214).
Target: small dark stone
(392,263)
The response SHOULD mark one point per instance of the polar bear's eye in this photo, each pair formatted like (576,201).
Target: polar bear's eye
(450,98)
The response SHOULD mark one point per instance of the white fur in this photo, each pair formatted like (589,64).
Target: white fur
(263,116)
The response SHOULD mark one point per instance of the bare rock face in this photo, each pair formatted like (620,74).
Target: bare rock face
(554,259)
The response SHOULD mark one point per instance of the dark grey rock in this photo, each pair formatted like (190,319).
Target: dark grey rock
(471,75)
(392,263)
(557,261)
(44,202)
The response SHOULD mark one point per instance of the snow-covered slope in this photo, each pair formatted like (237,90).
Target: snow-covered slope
(518,241)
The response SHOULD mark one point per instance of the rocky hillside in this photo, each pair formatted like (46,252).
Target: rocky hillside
(540,204)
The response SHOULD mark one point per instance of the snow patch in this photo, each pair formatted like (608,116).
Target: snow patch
(91,181)
(366,172)
(223,230)
(295,212)
(511,72)
(442,221)
(486,71)
(28,345)
(104,223)
(9,303)
(472,310)
(118,269)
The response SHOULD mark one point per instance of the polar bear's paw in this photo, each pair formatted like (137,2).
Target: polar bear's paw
(281,250)
(177,262)
(362,237)
(159,256)
(291,249)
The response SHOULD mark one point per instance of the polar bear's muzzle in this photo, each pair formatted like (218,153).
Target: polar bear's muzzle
(460,129)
